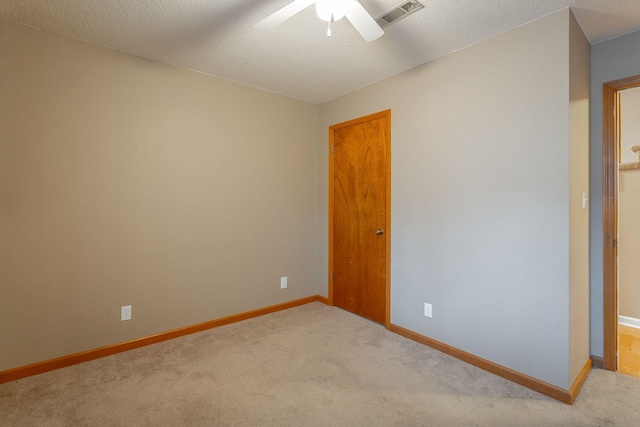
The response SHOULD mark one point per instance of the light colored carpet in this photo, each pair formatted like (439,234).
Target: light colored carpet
(312,365)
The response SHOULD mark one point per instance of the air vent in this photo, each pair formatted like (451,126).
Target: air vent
(402,10)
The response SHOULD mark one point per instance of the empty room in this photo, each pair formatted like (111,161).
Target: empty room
(319,213)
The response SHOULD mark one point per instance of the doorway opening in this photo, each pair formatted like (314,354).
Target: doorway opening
(613,163)
(360,216)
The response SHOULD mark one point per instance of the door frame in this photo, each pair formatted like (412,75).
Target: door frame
(610,96)
(387,235)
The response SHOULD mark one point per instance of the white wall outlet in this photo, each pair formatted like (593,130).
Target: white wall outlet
(125,313)
(283,283)
(428,310)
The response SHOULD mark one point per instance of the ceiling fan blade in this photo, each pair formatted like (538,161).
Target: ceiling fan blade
(363,22)
(283,14)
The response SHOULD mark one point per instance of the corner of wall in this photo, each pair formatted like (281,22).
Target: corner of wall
(612,59)
(579,96)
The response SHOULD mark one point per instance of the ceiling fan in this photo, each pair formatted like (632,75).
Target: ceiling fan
(329,11)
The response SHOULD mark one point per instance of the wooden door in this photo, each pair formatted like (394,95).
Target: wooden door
(359,216)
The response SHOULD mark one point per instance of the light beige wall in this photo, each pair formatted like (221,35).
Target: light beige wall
(629,244)
(630,123)
(480,196)
(579,88)
(629,209)
(126,181)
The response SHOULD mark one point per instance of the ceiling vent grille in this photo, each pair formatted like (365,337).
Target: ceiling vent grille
(402,10)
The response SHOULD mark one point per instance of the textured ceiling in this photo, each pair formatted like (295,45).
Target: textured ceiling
(296,58)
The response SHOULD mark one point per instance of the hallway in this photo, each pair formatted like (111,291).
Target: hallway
(629,350)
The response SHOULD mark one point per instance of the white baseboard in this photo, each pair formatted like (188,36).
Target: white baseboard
(629,321)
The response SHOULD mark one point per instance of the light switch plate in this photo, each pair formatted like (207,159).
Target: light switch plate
(428,310)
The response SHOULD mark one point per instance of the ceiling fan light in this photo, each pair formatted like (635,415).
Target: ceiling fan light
(332,10)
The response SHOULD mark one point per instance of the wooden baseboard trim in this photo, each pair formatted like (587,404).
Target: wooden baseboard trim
(547,389)
(597,362)
(85,356)
(580,379)
(323,300)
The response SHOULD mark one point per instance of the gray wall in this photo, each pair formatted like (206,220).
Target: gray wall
(126,181)
(610,60)
(480,197)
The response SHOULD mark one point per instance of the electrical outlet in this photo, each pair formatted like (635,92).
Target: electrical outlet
(428,310)
(283,282)
(125,313)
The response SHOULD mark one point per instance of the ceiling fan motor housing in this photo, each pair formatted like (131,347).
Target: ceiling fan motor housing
(332,10)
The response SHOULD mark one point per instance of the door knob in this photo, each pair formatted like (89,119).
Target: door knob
(379,231)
